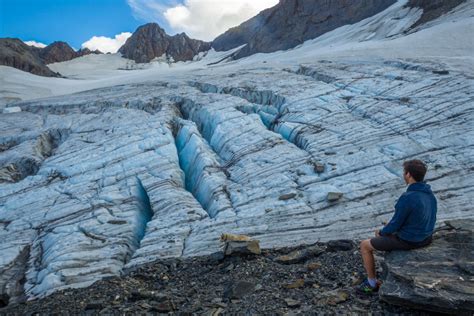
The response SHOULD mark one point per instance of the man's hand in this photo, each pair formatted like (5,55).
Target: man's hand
(377,233)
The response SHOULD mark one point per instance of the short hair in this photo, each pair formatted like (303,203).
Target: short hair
(416,168)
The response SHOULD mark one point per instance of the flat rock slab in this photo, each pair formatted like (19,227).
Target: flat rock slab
(298,256)
(439,277)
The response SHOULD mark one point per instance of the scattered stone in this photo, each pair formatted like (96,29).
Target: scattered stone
(138,295)
(239,289)
(145,305)
(340,245)
(405,99)
(362,301)
(296,284)
(436,278)
(332,297)
(217,311)
(292,303)
(298,256)
(288,196)
(319,167)
(334,196)
(240,245)
(235,237)
(242,248)
(117,222)
(223,305)
(441,72)
(216,256)
(162,307)
(230,267)
(314,266)
(4,300)
(94,305)
(356,280)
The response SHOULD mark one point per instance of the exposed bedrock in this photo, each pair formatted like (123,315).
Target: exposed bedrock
(432,9)
(437,278)
(291,22)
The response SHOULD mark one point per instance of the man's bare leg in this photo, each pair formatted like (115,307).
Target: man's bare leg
(367,252)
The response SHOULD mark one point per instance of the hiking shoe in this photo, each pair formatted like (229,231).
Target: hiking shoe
(365,287)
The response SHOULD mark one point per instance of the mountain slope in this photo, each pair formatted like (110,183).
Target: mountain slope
(15,53)
(150,41)
(432,9)
(292,22)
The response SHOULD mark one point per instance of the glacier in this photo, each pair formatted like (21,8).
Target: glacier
(159,162)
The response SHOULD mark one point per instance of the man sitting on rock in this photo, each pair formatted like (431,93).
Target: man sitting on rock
(410,227)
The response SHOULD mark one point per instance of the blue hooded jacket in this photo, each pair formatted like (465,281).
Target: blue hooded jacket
(415,214)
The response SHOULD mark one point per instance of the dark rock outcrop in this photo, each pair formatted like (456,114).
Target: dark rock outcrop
(439,277)
(61,51)
(291,22)
(432,9)
(57,52)
(150,41)
(87,51)
(15,53)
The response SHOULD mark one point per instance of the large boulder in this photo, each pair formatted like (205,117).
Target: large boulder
(437,278)
(150,41)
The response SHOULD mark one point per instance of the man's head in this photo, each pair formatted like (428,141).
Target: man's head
(414,171)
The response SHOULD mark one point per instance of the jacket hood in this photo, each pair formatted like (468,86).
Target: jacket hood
(419,186)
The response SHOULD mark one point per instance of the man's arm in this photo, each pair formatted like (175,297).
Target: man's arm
(401,213)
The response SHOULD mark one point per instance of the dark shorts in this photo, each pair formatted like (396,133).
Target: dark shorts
(393,242)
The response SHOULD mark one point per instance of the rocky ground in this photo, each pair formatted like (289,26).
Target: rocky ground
(317,279)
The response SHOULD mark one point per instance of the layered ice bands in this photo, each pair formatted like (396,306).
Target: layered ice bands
(133,173)
(205,177)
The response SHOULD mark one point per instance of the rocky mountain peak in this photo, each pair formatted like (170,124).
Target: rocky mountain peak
(150,41)
(57,52)
(87,51)
(15,53)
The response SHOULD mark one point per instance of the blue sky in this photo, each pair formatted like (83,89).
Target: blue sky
(78,21)
(68,20)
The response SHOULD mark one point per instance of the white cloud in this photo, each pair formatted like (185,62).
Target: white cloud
(150,10)
(107,44)
(202,19)
(35,44)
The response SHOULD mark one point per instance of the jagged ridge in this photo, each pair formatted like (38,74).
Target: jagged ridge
(150,41)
